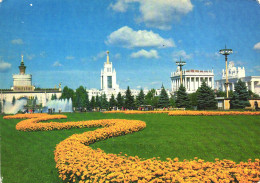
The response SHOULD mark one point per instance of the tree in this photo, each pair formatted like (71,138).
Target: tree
(163,98)
(68,93)
(112,101)
(148,99)
(120,100)
(140,98)
(13,101)
(92,102)
(129,99)
(182,99)
(81,97)
(193,98)
(98,102)
(0,107)
(172,101)
(252,95)
(53,96)
(240,97)
(104,102)
(206,97)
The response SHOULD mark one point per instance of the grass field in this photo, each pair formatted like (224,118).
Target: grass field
(28,156)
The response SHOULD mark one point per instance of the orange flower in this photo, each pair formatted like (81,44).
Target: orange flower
(75,160)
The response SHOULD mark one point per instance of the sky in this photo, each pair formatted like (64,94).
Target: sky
(66,40)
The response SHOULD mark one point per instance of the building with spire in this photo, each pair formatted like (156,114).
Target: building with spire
(236,73)
(23,89)
(108,83)
(108,77)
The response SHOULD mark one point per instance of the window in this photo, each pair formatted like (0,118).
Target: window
(109,81)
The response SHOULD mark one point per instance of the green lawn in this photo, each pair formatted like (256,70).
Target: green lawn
(28,156)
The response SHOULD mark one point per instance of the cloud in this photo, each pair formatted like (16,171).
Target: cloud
(4,66)
(1,1)
(57,64)
(17,41)
(30,56)
(43,54)
(157,13)
(128,38)
(117,56)
(182,54)
(238,63)
(145,54)
(99,56)
(257,68)
(257,46)
(69,58)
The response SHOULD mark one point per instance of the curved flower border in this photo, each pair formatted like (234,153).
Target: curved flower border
(189,113)
(77,162)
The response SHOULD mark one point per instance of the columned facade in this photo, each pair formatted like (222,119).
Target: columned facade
(192,79)
(234,74)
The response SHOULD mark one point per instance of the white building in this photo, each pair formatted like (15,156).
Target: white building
(191,79)
(109,84)
(234,74)
(23,88)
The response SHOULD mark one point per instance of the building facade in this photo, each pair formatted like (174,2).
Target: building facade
(109,86)
(191,79)
(234,74)
(23,89)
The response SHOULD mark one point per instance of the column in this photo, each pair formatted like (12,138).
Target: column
(208,81)
(194,83)
(212,83)
(252,86)
(233,86)
(199,82)
(223,86)
(246,85)
(185,83)
(190,84)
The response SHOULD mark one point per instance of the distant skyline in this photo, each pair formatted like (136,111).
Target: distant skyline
(66,41)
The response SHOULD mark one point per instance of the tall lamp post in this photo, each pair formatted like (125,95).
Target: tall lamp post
(180,64)
(226,52)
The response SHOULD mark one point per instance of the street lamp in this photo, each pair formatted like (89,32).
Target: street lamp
(180,64)
(226,52)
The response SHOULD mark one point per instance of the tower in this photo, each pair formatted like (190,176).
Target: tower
(108,76)
(22,67)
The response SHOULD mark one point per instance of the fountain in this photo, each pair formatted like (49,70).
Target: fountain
(63,105)
(9,108)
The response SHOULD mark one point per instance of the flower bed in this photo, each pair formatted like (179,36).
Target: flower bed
(137,112)
(189,113)
(77,162)
(211,113)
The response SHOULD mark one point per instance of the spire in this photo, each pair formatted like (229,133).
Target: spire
(107,57)
(22,67)
(22,59)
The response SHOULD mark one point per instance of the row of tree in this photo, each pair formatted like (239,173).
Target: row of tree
(203,98)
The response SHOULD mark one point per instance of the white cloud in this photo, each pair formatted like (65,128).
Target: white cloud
(128,38)
(1,1)
(4,66)
(57,64)
(257,46)
(117,56)
(17,41)
(157,13)
(257,68)
(30,56)
(70,58)
(145,54)
(182,54)
(99,55)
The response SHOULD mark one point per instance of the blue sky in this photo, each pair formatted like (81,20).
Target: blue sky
(65,40)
